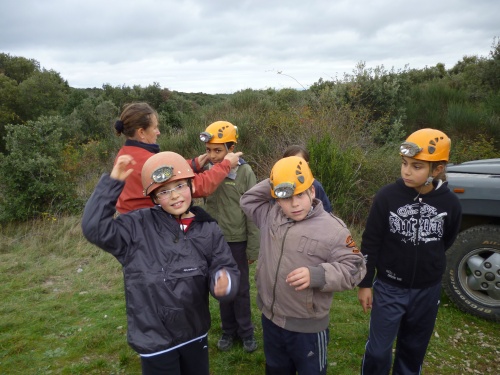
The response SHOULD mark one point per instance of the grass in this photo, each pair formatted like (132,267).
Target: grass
(62,311)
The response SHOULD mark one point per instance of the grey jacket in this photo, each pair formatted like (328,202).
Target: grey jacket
(168,273)
(320,242)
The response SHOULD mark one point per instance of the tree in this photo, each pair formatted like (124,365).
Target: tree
(43,93)
(18,68)
(152,95)
(91,120)
(8,115)
(34,181)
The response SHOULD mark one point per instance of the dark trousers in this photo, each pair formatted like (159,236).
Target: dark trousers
(236,315)
(409,315)
(288,353)
(190,359)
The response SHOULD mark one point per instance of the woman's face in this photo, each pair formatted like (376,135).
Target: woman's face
(150,134)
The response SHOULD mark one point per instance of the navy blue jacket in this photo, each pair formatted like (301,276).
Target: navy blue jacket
(168,273)
(321,195)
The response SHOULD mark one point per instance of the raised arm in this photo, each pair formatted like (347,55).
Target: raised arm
(207,182)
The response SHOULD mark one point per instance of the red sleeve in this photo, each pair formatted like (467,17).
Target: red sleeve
(207,182)
(195,165)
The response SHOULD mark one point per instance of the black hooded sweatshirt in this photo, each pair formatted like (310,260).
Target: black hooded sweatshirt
(407,234)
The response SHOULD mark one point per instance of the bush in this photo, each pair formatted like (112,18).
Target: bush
(34,181)
(473,148)
(338,170)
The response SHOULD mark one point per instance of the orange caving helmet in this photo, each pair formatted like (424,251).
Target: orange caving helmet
(290,176)
(428,145)
(164,167)
(220,132)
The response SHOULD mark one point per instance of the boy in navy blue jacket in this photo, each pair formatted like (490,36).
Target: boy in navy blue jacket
(411,224)
(173,255)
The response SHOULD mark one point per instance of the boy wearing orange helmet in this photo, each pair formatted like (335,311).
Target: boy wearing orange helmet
(411,224)
(173,256)
(306,255)
(241,234)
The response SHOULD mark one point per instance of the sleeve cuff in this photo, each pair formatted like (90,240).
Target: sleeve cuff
(317,277)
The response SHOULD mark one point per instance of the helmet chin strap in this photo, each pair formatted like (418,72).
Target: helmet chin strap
(427,183)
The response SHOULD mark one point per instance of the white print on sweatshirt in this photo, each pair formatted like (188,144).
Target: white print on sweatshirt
(406,222)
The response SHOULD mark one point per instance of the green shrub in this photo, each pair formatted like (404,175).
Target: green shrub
(463,118)
(338,170)
(34,181)
(473,148)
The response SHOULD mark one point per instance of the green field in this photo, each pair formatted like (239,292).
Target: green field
(62,312)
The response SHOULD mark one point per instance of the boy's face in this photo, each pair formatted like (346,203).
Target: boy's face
(415,173)
(174,197)
(297,206)
(217,151)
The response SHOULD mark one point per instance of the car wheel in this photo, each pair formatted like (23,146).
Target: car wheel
(472,277)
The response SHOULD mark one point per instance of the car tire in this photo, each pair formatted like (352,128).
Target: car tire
(472,277)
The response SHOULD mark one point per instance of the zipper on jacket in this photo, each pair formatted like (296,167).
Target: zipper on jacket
(277,272)
(417,245)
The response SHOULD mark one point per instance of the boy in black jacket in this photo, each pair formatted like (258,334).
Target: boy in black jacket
(411,224)
(173,255)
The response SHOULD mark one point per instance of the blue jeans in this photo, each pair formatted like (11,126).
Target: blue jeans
(409,315)
(288,353)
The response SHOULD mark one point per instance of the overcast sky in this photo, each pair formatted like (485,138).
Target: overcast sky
(225,46)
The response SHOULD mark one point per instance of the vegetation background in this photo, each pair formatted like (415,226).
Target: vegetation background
(62,308)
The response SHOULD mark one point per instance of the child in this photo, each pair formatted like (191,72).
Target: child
(306,255)
(172,256)
(241,234)
(139,124)
(411,224)
(297,150)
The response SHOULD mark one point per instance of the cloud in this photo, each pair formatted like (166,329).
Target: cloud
(226,46)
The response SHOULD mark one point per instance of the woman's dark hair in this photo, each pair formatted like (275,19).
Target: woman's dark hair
(134,116)
(294,150)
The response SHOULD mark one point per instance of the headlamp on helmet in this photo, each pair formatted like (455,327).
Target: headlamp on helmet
(160,175)
(284,190)
(206,136)
(409,149)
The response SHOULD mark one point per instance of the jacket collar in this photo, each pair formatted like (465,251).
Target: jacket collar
(151,147)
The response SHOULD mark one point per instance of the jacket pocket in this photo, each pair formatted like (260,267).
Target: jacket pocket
(307,245)
(174,320)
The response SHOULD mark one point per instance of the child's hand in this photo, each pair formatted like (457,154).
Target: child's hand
(120,170)
(299,278)
(221,284)
(365,298)
(234,158)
